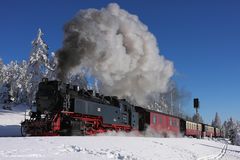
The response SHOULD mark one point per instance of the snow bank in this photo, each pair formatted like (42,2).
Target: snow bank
(10,120)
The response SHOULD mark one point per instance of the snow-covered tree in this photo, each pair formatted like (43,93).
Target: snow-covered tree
(236,134)
(229,125)
(11,75)
(13,82)
(1,72)
(21,82)
(8,77)
(232,130)
(217,121)
(3,87)
(237,140)
(52,67)
(4,91)
(38,65)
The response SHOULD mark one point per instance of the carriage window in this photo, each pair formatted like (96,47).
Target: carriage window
(170,121)
(160,119)
(173,122)
(154,119)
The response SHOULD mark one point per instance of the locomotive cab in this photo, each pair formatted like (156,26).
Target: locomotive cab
(47,96)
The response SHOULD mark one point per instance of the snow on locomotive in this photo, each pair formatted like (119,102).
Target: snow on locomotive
(62,109)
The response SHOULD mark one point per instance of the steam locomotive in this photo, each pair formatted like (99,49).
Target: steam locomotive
(63,109)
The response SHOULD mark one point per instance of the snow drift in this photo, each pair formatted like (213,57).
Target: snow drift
(116,48)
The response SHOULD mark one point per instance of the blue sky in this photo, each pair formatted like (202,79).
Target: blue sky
(202,38)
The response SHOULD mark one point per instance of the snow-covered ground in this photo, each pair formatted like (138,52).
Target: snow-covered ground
(10,120)
(105,147)
(115,147)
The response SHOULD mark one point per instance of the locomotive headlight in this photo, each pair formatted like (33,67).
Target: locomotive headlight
(43,115)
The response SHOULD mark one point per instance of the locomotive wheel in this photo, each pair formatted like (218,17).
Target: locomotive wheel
(23,131)
(77,128)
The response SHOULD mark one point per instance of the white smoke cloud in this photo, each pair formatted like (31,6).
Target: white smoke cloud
(117,49)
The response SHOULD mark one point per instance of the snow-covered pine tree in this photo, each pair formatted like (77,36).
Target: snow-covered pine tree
(9,76)
(237,134)
(237,139)
(232,128)
(217,121)
(14,81)
(38,65)
(2,87)
(52,67)
(1,71)
(21,82)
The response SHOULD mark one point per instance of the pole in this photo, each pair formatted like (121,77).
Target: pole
(171,103)
(196,106)
(197,122)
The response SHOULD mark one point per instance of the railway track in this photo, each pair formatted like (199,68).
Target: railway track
(216,156)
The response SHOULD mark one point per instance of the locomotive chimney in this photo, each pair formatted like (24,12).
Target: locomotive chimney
(44,79)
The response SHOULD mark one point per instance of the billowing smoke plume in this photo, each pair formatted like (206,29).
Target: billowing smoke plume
(117,49)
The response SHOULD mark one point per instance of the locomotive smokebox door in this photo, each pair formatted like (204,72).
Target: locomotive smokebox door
(196,103)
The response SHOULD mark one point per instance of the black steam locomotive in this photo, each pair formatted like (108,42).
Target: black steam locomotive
(63,109)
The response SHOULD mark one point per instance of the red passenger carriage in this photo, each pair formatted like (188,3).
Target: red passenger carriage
(164,124)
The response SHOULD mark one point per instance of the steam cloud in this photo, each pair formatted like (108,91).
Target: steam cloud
(117,49)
